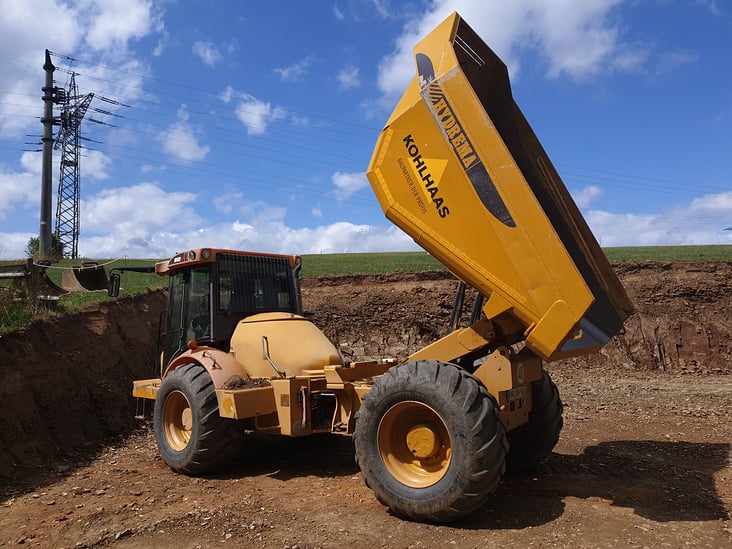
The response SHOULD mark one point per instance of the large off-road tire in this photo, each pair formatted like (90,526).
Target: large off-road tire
(192,437)
(533,442)
(429,441)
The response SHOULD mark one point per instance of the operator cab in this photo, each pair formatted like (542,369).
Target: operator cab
(210,291)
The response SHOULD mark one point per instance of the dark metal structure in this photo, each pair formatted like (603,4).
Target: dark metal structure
(68,140)
(52,95)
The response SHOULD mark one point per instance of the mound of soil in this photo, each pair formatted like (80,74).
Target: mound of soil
(643,459)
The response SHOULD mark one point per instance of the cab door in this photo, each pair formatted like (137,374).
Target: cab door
(188,315)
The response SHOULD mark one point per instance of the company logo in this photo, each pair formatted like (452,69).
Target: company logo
(453,130)
(455,134)
(429,181)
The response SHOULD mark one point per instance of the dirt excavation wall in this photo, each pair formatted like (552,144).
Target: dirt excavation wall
(684,318)
(65,382)
(683,321)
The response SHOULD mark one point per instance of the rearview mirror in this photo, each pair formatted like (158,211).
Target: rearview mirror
(113,288)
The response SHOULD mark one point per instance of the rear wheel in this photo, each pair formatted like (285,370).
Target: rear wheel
(429,441)
(191,435)
(534,441)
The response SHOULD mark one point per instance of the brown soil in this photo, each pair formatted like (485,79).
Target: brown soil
(643,459)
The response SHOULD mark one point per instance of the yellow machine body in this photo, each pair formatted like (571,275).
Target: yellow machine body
(269,343)
(459,169)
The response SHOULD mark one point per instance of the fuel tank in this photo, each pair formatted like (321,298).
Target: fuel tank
(268,342)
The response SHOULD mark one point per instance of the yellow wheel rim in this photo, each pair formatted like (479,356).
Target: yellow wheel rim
(414,444)
(177,420)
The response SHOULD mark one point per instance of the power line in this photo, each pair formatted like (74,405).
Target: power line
(155,114)
(203,90)
(602,176)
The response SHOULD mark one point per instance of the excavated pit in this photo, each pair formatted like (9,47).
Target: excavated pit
(65,382)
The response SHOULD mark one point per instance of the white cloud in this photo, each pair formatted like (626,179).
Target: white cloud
(138,221)
(262,228)
(22,189)
(207,52)
(95,164)
(225,203)
(702,221)
(275,236)
(135,221)
(227,95)
(669,61)
(262,214)
(157,246)
(99,27)
(21,32)
(125,80)
(585,197)
(630,59)
(138,211)
(158,49)
(181,142)
(295,72)
(711,5)
(348,77)
(12,245)
(145,221)
(574,37)
(256,115)
(299,120)
(31,162)
(112,23)
(349,238)
(121,137)
(348,183)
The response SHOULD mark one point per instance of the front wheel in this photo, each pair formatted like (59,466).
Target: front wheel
(191,435)
(429,441)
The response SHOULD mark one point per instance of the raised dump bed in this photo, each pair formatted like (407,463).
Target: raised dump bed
(459,169)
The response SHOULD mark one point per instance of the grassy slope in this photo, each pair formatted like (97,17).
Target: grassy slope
(720,252)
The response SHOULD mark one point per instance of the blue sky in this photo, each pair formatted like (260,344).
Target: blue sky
(250,124)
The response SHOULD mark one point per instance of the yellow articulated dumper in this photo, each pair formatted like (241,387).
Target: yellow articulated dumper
(458,168)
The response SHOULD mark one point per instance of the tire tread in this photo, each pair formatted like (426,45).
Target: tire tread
(484,458)
(215,442)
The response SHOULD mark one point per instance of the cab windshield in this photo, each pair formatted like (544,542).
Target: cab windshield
(254,284)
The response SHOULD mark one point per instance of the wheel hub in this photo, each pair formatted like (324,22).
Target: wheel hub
(177,420)
(414,444)
(186,419)
(422,442)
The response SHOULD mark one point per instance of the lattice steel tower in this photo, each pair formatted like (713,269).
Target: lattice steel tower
(68,139)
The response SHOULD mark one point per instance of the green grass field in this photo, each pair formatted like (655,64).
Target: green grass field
(720,252)
(17,312)
(370,263)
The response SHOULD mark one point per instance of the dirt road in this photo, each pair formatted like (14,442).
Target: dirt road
(643,460)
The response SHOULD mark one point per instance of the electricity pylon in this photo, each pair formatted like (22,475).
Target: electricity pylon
(68,140)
